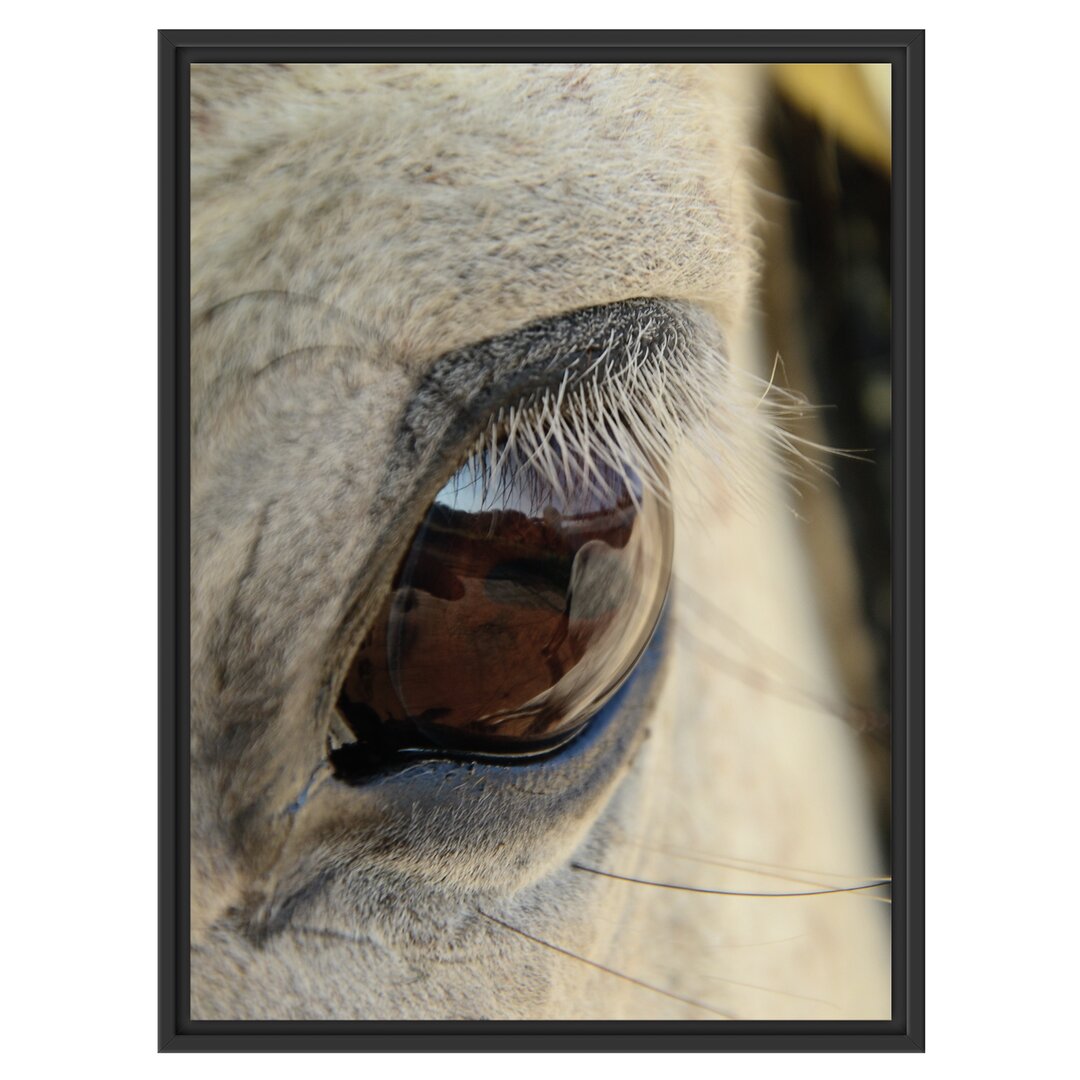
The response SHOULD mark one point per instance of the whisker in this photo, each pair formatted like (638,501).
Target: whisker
(760,944)
(749,866)
(861,721)
(709,609)
(713,941)
(763,989)
(730,892)
(607,970)
(772,379)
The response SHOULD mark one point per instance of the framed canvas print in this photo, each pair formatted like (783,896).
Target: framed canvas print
(541,640)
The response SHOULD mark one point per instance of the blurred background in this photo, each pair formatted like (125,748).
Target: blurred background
(827,314)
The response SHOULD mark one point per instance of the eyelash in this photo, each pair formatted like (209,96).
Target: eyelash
(633,417)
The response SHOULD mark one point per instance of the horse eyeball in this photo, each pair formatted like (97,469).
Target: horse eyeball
(515,615)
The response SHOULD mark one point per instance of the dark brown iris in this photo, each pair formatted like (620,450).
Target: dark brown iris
(514,616)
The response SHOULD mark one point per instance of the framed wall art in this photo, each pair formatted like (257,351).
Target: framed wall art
(541,523)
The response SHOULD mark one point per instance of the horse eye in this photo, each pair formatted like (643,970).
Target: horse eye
(520,608)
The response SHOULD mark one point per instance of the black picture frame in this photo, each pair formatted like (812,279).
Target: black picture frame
(904,50)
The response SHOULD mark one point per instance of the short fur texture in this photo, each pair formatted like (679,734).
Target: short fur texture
(378,253)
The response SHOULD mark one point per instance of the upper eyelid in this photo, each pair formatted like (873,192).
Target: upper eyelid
(466,389)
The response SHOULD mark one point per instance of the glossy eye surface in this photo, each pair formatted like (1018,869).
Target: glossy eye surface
(516,614)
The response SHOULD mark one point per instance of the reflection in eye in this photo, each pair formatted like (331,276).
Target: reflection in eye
(518,611)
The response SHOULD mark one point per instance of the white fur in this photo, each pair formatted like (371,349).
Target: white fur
(350,226)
